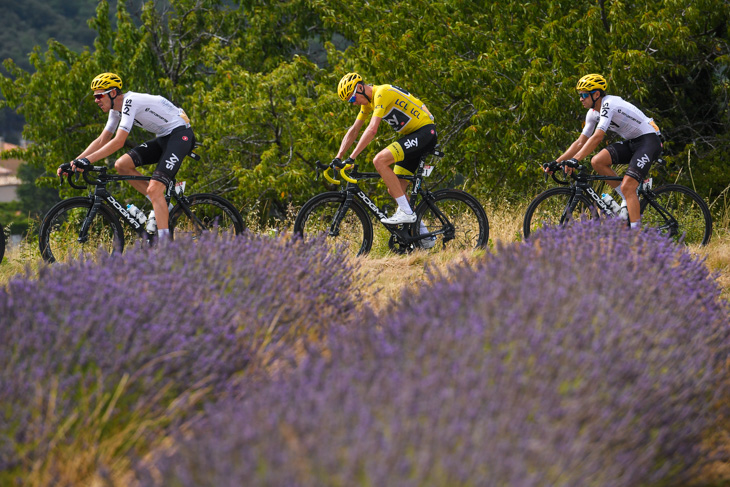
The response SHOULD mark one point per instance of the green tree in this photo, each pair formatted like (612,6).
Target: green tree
(499,77)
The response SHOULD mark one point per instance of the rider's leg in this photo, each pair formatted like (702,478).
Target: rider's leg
(628,187)
(156,194)
(601,163)
(125,165)
(382,161)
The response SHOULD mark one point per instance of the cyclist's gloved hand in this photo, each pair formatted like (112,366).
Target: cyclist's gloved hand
(573,163)
(337,162)
(349,160)
(64,168)
(549,166)
(569,165)
(82,163)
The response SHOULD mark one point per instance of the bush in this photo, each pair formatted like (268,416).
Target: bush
(136,342)
(589,357)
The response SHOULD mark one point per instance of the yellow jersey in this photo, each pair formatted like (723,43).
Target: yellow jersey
(404,112)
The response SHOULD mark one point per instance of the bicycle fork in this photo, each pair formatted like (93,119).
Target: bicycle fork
(334,229)
(90,215)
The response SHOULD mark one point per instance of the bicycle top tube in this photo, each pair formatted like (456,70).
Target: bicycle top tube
(103,178)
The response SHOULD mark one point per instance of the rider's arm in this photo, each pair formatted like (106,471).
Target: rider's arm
(109,147)
(350,137)
(590,144)
(97,143)
(367,136)
(573,149)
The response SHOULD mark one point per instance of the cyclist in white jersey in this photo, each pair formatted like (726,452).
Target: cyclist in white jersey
(641,145)
(174,139)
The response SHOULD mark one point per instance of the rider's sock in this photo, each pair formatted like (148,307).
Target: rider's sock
(163,233)
(618,190)
(636,224)
(423,228)
(403,204)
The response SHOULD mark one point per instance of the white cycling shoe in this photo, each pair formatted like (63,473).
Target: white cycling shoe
(399,217)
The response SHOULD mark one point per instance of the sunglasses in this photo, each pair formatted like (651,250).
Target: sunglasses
(99,96)
(583,96)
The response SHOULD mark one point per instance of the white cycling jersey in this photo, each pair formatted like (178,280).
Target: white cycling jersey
(153,113)
(620,117)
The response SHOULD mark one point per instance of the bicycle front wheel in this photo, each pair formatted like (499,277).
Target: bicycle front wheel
(678,212)
(61,231)
(321,215)
(203,213)
(556,207)
(457,216)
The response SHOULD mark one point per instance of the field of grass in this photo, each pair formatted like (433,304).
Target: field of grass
(96,439)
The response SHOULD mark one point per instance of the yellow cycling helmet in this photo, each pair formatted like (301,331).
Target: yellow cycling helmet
(106,81)
(347,85)
(592,82)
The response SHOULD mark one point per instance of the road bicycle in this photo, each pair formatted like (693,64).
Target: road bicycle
(452,218)
(676,210)
(85,223)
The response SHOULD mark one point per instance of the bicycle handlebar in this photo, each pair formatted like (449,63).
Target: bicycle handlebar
(343,174)
(556,167)
(85,174)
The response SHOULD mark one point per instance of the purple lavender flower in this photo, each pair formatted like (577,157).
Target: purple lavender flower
(180,326)
(590,357)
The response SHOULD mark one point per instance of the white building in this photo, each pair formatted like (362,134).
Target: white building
(9,181)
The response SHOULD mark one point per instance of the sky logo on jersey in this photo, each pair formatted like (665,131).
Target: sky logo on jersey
(170,163)
(127,106)
(410,143)
(643,161)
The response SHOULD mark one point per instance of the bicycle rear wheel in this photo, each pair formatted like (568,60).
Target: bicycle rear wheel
(458,216)
(556,207)
(679,212)
(59,234)
(205,213)
(317,217)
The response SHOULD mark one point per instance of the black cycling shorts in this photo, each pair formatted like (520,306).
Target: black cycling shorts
(167,152)
(638,153)
(407,150)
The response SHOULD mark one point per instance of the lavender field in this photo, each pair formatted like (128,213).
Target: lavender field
(260,361)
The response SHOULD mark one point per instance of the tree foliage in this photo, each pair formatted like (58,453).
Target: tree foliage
(499,78)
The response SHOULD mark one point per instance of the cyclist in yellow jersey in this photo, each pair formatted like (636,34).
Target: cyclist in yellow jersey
(408,116)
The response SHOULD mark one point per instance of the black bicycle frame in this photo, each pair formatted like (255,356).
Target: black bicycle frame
(102,194)
(352,190)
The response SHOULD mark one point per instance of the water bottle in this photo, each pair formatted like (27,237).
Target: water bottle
(611,203)
(136,213)
(151,223)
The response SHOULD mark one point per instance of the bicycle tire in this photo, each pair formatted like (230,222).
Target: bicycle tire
(463,220)
(355,231)
(548,209)
(689,219)
(208,213)
(59,231)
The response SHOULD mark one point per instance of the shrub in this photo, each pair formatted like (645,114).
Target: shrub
(141,339)
(584,358)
